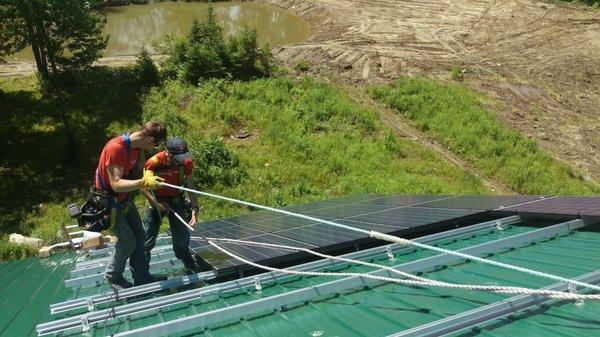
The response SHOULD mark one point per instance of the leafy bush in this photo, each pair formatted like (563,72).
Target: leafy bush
(215,163)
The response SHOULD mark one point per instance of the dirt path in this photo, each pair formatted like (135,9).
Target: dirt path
(541,61)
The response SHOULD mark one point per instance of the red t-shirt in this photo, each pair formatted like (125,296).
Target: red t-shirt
(115,153)
(169,171)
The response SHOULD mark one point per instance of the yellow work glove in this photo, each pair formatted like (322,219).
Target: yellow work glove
(150,181)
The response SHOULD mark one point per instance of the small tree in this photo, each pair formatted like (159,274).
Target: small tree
(145,70)
(63,34)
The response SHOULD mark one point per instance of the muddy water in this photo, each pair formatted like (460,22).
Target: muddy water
(134,26)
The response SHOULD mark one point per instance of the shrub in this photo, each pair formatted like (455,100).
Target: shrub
(215,163)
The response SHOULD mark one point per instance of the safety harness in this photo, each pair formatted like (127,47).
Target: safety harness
(99,211)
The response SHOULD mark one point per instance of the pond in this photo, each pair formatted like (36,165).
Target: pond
(131,27)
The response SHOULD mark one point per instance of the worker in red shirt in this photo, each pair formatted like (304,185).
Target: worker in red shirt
(176,167)
(114,179)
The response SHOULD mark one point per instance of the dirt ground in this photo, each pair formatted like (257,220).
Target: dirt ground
(540,60)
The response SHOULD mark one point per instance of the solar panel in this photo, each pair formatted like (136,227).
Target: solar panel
(386,214)
(480,202)
(412,216)
(403,200)
(573,206)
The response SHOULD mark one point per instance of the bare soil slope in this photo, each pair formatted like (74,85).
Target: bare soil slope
(540,60)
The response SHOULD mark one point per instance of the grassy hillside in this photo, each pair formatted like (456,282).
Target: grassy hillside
(456,117)
(308,141)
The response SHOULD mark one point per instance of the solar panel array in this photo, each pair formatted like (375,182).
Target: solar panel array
(573,206)
(396,214)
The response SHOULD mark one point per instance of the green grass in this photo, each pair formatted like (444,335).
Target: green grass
(40,173)
(310,142)
(455,116)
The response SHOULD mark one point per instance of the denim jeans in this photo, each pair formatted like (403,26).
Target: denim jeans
(179,232)
(130,234)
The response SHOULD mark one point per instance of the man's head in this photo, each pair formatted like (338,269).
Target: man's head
(177,147)
(153,133)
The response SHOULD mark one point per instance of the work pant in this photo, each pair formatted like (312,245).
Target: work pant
(179,232)
(130,234)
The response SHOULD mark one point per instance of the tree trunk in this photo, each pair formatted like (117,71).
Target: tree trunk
(35,47)
(72,153)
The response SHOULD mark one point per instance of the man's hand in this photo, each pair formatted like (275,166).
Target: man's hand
(150,181)
(195,216)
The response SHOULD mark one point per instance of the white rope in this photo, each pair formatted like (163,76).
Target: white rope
(391,238)
(416,281)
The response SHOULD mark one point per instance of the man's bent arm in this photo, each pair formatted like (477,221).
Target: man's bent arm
(121,185)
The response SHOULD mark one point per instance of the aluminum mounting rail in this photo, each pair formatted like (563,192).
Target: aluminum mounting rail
(96,268)
(305,294)
(98,278)
(489,312)
(89,263)
(135,291)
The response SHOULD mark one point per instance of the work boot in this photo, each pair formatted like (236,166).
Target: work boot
(152,279)
(188,262)
(190,265)
(118,283)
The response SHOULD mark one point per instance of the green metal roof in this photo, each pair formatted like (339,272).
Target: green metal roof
(385,309)
(30,286)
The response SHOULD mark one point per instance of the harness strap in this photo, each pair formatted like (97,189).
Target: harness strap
(102,183)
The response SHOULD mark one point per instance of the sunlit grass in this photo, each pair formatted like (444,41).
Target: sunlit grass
(456,117)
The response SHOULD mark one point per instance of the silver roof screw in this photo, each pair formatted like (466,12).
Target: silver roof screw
(90,304)
(390,254)
(573,290)
(85,324)
(257,284)
(500,226)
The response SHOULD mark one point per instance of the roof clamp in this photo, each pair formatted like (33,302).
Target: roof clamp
(85,324)
(500,226)
(257,284)
(90,304)
(390,254)
(573,290)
